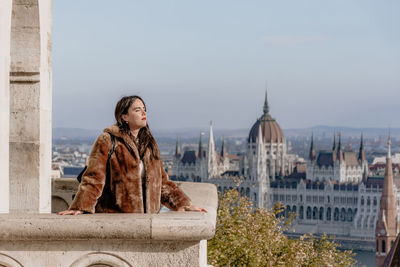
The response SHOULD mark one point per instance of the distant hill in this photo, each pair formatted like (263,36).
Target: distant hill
(321,130)
(80,134)
(77,134)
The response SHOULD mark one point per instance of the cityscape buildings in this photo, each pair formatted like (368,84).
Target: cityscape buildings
(333,193)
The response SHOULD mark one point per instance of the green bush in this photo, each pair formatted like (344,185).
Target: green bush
(246,236)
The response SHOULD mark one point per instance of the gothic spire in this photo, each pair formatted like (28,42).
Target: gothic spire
(334,141)
(361,154)
(223,148)
(211,156)
(178,153)
(339,151)
(312,149)
(386,226)
(211,145)
(266,106)
(200,151)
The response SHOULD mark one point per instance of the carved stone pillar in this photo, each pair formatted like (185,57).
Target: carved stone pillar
(5,27)
(30,107)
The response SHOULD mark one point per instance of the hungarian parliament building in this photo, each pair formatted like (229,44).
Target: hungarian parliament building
(331,193)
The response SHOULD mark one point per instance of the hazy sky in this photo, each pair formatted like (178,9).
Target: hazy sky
(324,62)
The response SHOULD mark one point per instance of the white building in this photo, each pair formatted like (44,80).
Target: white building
(335,196)
(198,165)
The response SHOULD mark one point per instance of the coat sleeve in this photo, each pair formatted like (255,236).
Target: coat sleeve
(93,179)
(171,195)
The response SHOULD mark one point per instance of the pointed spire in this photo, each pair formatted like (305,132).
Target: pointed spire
(361,154)
(387,218)
(312,150)
(178,152)
(389,153)
(339,152)
(334,146)
(334,141)
(266,106)
(223,148)
(200,150)
(211,146)
(211,155)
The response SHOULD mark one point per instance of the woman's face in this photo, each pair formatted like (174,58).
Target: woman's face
(136,116)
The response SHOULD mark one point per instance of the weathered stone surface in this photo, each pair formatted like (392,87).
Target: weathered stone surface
(30,106)
(5,31)
(166,239)
(114,253)
(183,226)
(19,227)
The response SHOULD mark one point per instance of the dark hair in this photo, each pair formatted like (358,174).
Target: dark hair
(146,139)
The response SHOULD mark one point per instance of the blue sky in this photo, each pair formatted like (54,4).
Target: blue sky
(324,62)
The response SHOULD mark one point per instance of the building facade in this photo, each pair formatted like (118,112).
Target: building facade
(335,195)
(197,166)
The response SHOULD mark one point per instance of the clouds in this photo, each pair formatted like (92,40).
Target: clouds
(292,40)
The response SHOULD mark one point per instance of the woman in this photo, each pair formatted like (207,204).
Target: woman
(138,182)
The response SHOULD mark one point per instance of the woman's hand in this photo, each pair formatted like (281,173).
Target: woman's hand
(192,208)
(70,212)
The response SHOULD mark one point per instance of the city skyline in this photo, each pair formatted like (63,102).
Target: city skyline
(323,63)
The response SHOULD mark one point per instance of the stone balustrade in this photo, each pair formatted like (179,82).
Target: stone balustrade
(165,239)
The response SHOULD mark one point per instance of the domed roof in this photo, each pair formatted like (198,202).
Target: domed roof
(270,129)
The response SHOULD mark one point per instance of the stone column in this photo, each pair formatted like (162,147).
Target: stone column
(5,26)
(30,107)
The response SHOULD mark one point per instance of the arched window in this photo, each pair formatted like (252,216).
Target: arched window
(315,213)
(362,200)
(255,197)
(383,246)
(349,215)
(368,201)
(343,215)
(321,213)
(328,214)
(375,201)
(308,213)
(247,192)
(336,215)
(294,209)
(301,213)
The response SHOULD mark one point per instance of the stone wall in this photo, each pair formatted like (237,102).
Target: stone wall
(166,239)
(5,30)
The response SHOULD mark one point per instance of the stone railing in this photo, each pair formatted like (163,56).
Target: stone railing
(165,239)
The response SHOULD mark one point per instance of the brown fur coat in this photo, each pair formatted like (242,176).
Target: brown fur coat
(123,193)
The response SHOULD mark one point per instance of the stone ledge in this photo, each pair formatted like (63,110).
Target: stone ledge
(168,226)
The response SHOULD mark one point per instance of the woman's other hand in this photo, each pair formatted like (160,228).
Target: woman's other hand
(70,212)
(192,208)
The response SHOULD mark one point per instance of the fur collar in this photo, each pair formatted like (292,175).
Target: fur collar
(127,140)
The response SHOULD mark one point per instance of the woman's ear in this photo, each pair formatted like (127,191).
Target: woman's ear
(124,117)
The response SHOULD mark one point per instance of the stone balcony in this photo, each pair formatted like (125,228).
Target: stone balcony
(165,239)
